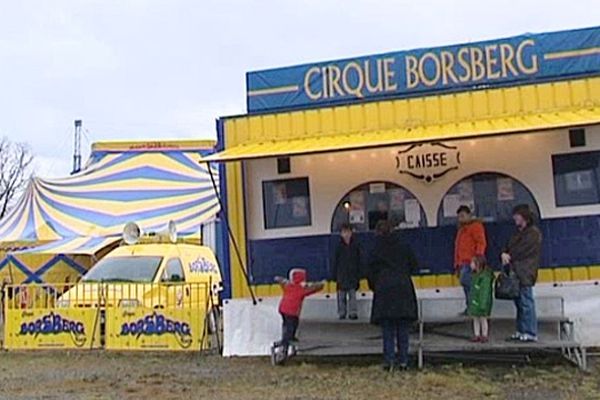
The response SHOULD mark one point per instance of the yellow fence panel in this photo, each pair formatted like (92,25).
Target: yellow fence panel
(142,328)
(163,317)
(33,320)
(117,316)
(52,329)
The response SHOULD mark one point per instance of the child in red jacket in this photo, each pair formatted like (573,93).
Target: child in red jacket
(295,290)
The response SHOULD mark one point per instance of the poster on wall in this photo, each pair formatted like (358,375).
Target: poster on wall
(412,212)
(579,180)
(357,207)
(506,191)
(451,204)
(396,199)
(465,190)
(300,207)
(378,187)
(279,193)
(357,217)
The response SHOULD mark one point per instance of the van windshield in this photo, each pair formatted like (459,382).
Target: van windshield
(124,269)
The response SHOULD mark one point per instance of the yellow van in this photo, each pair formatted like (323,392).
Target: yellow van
(152,275)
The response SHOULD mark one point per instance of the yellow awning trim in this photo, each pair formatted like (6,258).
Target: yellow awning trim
(448,131)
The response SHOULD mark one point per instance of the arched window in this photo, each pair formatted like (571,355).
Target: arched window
(491,197)
(369,203)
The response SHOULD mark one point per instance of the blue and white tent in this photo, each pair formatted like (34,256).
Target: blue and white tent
(149,185)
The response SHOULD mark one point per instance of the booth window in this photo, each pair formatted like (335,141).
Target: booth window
(491,197)
(576,178)
(286,203)
(369,203)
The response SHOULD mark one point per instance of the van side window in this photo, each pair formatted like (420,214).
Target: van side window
(173,271)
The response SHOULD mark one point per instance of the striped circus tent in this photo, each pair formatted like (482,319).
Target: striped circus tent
(149,183)
(60,227)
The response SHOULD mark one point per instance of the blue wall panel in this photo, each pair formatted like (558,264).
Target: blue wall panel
(567,242)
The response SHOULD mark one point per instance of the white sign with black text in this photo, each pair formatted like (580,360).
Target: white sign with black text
(428,161)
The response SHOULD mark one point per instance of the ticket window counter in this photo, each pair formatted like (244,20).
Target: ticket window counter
(491,196)
(367,204)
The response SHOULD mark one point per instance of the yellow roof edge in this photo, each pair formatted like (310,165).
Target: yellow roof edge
(392,137)
(154,145)
(462,107)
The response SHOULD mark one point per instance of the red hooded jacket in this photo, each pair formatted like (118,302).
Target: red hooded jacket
(294,291)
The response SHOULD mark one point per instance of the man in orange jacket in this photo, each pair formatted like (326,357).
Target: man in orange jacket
(470,242)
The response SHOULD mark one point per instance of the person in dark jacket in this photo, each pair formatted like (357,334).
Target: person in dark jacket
(522,255)
(394,300)
(346,273)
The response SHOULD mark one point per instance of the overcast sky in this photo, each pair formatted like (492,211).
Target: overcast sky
(149,69)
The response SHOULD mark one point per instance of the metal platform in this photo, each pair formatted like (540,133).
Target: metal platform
(440,331)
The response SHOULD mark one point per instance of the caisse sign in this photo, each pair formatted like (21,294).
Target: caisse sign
(428,161)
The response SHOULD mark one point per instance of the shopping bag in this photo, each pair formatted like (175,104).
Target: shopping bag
(507,286)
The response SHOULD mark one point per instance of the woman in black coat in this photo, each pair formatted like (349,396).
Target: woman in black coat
(394,300)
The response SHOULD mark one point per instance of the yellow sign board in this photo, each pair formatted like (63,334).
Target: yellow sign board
(52,328)
(143,328)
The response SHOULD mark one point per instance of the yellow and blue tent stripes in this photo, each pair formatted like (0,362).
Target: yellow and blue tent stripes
(83,246)
(56,261)
(148,187)
(19,267)
(59,225)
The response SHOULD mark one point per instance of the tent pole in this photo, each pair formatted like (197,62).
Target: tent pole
(230,233)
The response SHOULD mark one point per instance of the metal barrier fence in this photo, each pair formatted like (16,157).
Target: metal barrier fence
(114,316)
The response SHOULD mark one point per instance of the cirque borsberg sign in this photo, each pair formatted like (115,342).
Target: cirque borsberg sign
(514,60)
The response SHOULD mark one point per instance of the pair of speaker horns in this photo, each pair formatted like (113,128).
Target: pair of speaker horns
(132,233)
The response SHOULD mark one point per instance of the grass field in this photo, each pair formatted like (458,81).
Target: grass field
(105,375)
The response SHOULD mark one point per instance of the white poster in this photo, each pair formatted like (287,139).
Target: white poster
(356,213)
(300,207)
(280,193)
(579,180)
(357,217)
(377,187)
(465,190)
(451,204)
(396,199)
(506,191)
(465,194)
(412,211)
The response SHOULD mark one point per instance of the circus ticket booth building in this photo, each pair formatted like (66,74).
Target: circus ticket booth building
(410,136)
